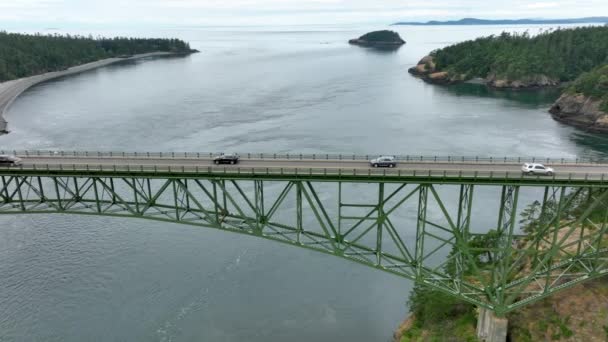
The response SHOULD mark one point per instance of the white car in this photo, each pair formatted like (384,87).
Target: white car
(536,169)
(9,160)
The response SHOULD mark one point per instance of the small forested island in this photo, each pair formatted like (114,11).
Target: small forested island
(379,39)
(23,55)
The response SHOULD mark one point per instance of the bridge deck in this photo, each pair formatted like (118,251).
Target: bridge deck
(454,170)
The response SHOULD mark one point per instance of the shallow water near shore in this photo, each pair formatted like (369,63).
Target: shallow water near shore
(293,89)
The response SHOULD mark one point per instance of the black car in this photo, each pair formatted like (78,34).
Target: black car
(226,158)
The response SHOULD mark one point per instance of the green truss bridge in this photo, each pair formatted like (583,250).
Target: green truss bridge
(421,220)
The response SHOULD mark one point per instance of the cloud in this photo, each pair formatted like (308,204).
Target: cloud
(285,12)
(541,5)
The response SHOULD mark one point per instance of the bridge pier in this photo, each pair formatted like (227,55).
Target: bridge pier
(491,328)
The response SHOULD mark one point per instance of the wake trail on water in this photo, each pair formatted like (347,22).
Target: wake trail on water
(169,330)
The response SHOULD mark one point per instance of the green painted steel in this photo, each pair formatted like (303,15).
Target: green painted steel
(565,243)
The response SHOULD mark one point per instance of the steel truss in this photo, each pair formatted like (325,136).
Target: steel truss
(562,251)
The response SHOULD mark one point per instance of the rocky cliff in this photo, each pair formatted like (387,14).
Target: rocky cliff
(428,71)
(581,111)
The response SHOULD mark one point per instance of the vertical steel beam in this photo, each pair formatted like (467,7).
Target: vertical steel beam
(185,190)
(260,214)
(76,189)
(217,209)
(113,191)
(175,201)
(4,193)
(380,223)
(506,230)
(224,195)
(135,195)
(553,250)
(340,212)
(41,189)
(299,225)
(423,193)
(598,243)
(97,199)
(19,185)
(59,204)
(463,223)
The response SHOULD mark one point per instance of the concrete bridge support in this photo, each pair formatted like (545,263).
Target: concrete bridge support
(491,328)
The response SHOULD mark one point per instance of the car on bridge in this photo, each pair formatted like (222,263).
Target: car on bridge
(10,160)
(226,158)
(384,161)
(536,169)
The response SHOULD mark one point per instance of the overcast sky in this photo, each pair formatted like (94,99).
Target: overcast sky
(280,12)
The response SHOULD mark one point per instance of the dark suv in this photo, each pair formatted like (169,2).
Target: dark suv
(384,161)
(226,158)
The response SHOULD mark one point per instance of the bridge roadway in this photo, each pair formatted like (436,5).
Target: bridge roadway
(567,171)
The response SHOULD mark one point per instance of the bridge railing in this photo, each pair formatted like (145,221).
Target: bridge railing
(309,171)
(307,156)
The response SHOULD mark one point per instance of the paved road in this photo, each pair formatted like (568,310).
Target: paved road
(257,165)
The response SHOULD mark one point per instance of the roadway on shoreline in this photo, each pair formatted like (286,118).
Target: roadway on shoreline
(10,90)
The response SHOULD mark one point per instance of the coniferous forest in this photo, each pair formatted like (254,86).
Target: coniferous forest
(562,54)
(593,84)
(23,55)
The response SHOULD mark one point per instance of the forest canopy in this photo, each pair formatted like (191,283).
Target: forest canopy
(23,55)
(562,54)
(593,84)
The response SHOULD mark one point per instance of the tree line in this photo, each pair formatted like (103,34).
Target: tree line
(561,54)
(23,55)
(593,84)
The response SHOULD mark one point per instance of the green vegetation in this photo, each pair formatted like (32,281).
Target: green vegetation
(593,84)
(382,36)
(440,317)
(23,55)
(561,55)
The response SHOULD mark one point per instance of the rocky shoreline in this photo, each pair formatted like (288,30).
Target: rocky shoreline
(580,111)
(571,108)
(426,69)
(10,90)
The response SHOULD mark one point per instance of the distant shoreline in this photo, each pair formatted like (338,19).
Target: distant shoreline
(476,21)
(11,90)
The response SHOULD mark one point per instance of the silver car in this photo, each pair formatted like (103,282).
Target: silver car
(537,169)
(9,160)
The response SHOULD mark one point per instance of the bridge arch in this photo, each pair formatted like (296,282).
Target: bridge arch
(564,252)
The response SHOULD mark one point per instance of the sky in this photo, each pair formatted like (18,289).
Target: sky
(124,13)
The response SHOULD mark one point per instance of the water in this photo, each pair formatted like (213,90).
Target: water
(300,89)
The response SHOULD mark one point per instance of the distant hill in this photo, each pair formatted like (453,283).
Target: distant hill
(475,21)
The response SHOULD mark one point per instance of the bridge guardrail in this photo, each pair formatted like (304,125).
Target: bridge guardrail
(304,156)
(309,171)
